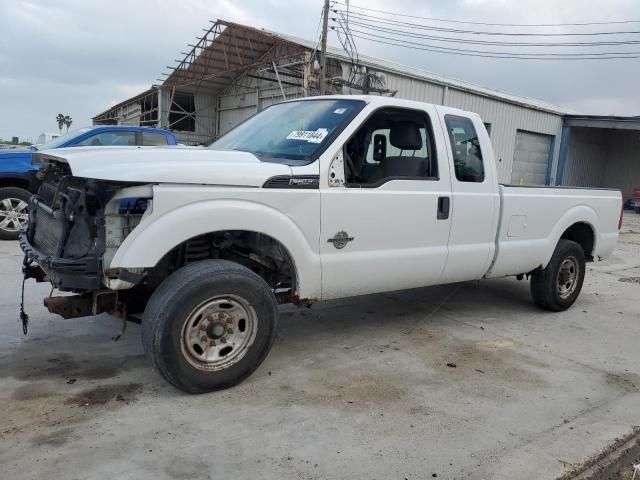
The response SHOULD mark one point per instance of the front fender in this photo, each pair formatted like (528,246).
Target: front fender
(160,232)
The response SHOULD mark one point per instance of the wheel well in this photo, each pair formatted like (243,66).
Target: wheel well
(15,182)
(261,253)
(582,234)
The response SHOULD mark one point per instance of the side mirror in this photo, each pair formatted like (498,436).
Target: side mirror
(379,147)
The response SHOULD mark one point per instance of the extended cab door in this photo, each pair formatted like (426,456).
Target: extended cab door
(475,198)
(385,205)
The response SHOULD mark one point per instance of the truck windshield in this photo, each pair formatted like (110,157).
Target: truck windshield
(291,132)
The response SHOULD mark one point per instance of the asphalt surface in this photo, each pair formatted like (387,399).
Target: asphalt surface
(356,389)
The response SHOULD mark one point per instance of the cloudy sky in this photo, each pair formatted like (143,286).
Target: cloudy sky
(79,57)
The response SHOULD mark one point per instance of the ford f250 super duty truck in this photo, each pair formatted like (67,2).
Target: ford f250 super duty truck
(309,200)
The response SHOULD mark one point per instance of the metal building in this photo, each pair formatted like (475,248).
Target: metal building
(600,152)
(234,71)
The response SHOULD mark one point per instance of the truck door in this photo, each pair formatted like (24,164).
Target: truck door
(385,206)
(475,198)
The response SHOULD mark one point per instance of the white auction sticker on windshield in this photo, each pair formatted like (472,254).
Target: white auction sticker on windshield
(340,111)
(311,136)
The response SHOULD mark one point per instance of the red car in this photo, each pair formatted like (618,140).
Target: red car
(636,200)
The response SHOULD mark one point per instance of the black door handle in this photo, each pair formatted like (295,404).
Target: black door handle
(443,207)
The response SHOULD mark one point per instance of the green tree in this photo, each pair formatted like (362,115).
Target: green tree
(68,121)
(60,119)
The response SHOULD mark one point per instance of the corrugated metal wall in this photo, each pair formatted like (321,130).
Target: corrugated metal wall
(622,170)
(586,157)
(414,89)
(239,104)
(603,158)
(505,118)
(236,108)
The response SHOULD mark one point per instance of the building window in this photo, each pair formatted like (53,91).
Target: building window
(149,110)
(465,148)
(182,115)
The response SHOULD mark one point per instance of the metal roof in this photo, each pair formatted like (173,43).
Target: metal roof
(602,121)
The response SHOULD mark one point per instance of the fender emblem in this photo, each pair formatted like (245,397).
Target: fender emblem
(340,239)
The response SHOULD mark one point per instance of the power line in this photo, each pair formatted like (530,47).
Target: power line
(446,20)
(471,53)
(394,31)
(374,37)
(364,17)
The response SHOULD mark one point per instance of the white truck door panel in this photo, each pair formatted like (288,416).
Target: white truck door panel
(475,202)
(395,240)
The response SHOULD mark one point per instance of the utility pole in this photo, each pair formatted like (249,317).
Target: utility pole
(323,59)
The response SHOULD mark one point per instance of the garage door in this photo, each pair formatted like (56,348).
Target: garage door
(531,158)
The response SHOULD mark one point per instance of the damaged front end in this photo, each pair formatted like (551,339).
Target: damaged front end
(74,225)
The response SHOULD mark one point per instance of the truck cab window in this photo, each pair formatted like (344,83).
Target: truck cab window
(465,147)
(393,143)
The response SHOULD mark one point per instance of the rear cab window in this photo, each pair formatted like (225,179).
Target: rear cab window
(465,149)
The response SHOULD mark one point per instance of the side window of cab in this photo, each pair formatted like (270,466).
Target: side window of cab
(465,148)
(392,144)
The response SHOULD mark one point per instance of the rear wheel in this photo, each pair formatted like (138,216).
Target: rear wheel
(209,325)
(14,212)
(557,286)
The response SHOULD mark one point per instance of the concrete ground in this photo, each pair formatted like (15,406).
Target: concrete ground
(353,389)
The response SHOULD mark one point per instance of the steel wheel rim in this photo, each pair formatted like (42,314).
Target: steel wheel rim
(218,333)
(14,214)
(568,274)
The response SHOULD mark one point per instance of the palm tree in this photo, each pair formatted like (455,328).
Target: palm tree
(68,121)
(60,119)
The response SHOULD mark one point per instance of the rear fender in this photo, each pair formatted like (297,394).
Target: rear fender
(577,214)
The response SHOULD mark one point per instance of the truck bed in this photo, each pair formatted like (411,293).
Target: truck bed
(533,219)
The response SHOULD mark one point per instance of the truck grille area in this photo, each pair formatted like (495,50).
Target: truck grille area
(66,231)
(49,229)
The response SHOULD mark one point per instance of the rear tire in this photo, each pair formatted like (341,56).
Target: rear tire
(14,214)
(557,286)
(209,325)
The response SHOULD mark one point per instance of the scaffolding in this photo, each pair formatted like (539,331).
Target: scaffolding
(229,73)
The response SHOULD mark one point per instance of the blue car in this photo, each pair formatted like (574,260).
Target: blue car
(18,175)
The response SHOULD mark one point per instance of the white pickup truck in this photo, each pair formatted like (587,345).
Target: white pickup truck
(309,200)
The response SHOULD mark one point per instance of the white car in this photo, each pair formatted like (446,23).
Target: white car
(309,200)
